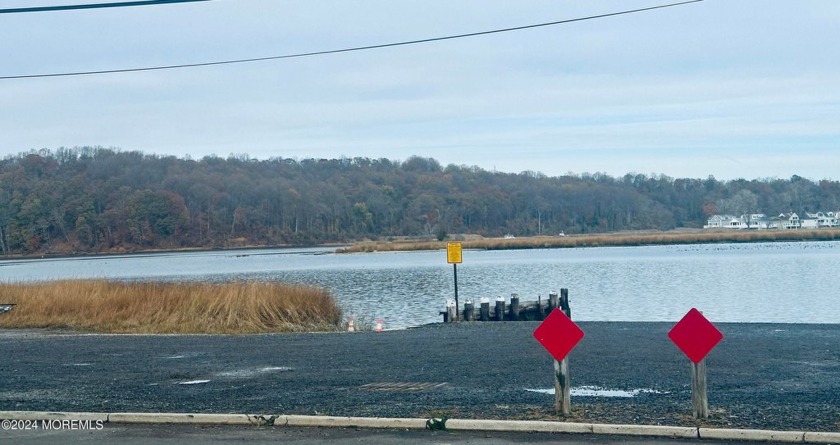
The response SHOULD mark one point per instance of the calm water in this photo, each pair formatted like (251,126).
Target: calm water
(766,282)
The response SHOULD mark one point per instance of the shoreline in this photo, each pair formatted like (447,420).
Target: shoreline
(612,239)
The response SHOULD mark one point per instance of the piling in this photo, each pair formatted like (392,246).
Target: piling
(564,302)
(500,308)
(484,314)
(469,310)
(514,307)
(451,310)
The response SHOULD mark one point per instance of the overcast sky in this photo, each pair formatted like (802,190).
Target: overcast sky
(734,89)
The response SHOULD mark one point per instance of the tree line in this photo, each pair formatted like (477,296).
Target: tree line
(93,199)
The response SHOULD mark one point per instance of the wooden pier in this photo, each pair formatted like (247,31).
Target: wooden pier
(514,310)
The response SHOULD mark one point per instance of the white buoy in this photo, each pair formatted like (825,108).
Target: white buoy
(350,327)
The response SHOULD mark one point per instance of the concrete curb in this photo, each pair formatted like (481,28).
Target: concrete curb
(822,438)
(351,422)
(770,436)
(451,425)
(647,430)
(206,419)
(522,426)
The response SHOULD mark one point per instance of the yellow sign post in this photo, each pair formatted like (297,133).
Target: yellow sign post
(453,253)
(453,257)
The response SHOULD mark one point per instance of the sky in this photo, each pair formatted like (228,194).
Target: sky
(733,89)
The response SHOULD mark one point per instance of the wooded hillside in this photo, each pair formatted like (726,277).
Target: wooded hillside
(98,200)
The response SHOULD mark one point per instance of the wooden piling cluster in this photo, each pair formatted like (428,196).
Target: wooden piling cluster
(515,310)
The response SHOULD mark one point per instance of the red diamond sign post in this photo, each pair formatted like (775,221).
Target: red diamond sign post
(558,334)
(696,336)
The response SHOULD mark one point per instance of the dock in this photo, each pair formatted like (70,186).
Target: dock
(507,310)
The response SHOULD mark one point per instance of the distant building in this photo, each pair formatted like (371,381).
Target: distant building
(820,219)
(785,221)
(723,222)
(752,221)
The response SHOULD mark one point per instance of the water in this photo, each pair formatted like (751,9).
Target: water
(762,282)
(596,391)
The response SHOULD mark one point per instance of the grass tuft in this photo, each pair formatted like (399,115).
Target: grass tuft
(169,308)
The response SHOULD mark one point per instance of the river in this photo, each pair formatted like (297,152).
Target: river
(788,282)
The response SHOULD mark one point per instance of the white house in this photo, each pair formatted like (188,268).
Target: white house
(789,221)
(820,219)
(809,221)
(760,221)
(723,221)
(752,221)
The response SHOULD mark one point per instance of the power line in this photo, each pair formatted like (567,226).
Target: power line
(94,6)
(343,50)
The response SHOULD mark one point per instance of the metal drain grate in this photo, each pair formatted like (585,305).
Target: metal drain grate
(401,386)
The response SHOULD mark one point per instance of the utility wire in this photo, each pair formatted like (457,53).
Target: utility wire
(93,6)
(343,50)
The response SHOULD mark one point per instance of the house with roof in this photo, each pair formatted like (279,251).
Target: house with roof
(790,221)
(760,221)
(751,221)
(819,219)
(723,222)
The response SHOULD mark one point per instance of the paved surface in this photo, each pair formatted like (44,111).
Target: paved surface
(767,376)
(201,435)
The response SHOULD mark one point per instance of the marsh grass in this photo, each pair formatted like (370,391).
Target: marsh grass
(609,239)
(169,308)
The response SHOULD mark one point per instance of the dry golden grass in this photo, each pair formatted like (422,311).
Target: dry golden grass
(158,308)
(608,239)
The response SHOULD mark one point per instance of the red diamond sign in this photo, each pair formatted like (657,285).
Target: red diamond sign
(558,334)
(695,335)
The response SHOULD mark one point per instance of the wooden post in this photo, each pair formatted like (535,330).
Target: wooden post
(562,388)
(514,307)
(469,310)
(500,308)
(484,314)
(552,301)
(451,311)
(564,302)
(699,395)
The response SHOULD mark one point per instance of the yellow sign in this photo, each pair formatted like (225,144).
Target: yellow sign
(453,253)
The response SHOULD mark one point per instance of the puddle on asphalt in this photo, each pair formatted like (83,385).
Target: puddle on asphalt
(595,391)
(183,355)
(246,373)
(239,374)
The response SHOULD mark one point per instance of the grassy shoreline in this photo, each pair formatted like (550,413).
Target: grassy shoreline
(628,238)
(169,308)
(606,239)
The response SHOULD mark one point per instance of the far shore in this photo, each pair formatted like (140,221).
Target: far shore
(630,238)
(471,241)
